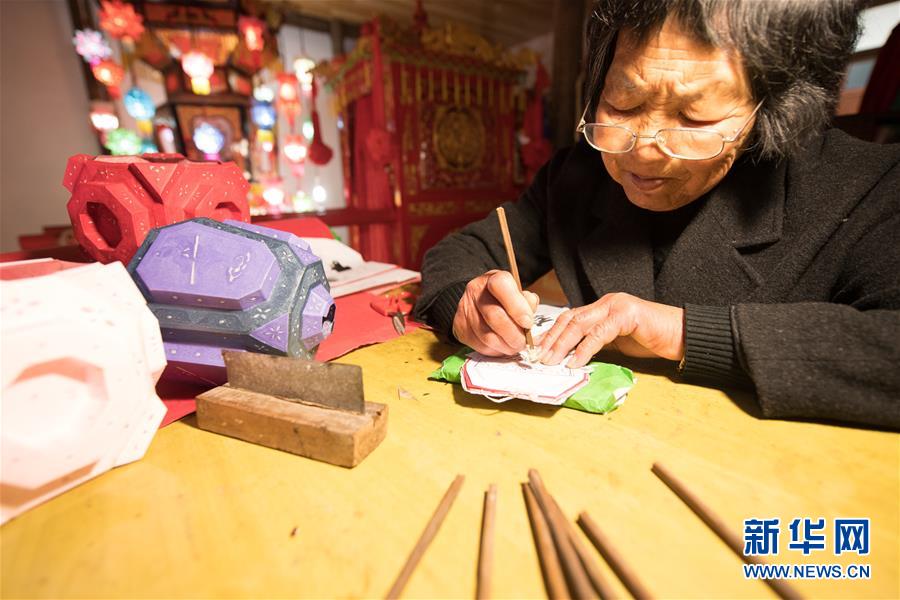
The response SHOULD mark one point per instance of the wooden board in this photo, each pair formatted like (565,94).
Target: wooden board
(333,436)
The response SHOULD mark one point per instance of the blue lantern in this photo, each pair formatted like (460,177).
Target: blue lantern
(139,105)
(148,147)
(263,114)
(208,138)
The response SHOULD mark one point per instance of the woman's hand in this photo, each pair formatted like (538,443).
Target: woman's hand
(633,326)
(493,314)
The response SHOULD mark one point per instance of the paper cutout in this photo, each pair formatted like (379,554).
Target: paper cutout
(504,378)
(348,272)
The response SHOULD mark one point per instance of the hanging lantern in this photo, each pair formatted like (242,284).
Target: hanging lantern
(199,67)
(263,114)
(266,140)
(319,194)
(119,20)
(263,94)
(252,30)
(139,104)
(273,195)
(287,89)
(148,147)
(302,69)
(209,140)
(123,142)
(294,149)
(91,46)
(110,74)
(103,118)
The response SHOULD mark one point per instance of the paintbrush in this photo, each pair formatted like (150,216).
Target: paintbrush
(531,351)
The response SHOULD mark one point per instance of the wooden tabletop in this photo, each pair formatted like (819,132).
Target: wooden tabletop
(204,515)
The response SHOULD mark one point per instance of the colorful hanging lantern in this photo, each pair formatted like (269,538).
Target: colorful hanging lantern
(199,67)
(119,20)
(287,89)
(273,195)
(294,149)
(123,142)
(91,45)
(319,194)
(209,140)
(139,104)
(263,114)
(252,31)
(148,147)
(103,116)
(266,140)
(263,94)
(110,74)
(303,70)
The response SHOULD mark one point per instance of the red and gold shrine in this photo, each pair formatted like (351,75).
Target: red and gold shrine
(427,121)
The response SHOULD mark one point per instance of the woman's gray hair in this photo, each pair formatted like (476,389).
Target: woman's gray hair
(794,53)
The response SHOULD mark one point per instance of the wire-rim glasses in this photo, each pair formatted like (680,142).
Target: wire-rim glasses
(677,142)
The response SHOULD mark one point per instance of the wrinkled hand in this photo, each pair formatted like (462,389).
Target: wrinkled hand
(629,324)
(492,315)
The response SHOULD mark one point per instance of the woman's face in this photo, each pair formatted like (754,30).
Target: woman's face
(672,80)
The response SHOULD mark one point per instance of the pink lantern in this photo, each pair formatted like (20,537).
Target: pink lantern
(199,67)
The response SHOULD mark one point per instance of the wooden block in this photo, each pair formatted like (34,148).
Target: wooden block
(333,436)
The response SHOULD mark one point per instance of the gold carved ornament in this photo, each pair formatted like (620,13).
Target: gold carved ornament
(458,138)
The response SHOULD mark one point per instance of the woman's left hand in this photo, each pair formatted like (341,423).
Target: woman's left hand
(633,326)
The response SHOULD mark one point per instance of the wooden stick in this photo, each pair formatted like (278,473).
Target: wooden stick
(579,584)
(554,580)
(486,551)
(622,570)
(714,522)
(511,256)
(587,560)
(427,535)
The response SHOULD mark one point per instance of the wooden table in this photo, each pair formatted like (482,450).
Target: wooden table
(204,515)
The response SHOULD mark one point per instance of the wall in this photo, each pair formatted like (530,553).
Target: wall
(43,115)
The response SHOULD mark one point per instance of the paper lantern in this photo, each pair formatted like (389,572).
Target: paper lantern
(287,91)
(116,200)
(119,20)
(231,285)
(263,94)
(81,356)
(294,149)
(302,69)
(103,118)
(110,74)
(208,139)
(263,114)
(199,67)
(252,30)
(139,104)
(122,142)
(91,46)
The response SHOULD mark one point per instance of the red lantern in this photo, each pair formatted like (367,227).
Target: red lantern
(120,21)
(288,96)
(110,74)
(319,152)
(252,30)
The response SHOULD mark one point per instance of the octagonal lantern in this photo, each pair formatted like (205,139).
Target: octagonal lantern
(116,200)
(231,285)
(81,357)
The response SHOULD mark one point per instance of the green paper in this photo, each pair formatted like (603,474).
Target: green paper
(598,396)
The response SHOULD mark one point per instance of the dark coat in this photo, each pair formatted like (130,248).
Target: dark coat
(805,252)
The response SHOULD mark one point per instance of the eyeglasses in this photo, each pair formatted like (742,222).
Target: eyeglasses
(677,142)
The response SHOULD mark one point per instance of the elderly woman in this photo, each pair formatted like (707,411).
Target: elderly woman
(705,217)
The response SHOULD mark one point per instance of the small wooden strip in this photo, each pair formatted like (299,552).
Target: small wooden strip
(554,580)
(719,527)
(579,584)
(427,536)
(622,570)
(598,580)
(486,551)
(511,256)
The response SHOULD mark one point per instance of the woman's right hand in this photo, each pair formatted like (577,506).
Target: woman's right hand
(493,314)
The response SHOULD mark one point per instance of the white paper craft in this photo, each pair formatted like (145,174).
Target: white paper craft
(505,378)
(81,354)
(347,272)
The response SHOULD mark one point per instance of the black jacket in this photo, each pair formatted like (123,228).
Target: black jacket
(789,273)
